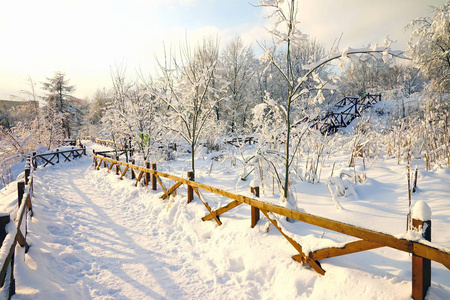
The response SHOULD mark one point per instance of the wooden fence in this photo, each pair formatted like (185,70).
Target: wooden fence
(353,108)
(17,231)
(54,157)
(101,142)
(369,239)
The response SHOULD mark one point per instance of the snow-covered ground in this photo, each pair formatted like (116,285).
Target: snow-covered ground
(94,236)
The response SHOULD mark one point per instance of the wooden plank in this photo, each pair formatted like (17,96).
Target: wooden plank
(161,184)
(139,178)
(171,190)
(30,207)
(349,248)
(6,263)
(110,167)
(222,210)
(48,161)
(207,206)
(22,240)
(297,246)
(100,163)
(432,253)
(66,157)
(124,172)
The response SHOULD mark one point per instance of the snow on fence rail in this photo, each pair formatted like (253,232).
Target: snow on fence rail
(13,232)
(369,239)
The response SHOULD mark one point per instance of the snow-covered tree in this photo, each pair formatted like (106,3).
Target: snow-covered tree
(429,46)
(191,88)
(286,33)
(59,103)
(131,112)
(238,69)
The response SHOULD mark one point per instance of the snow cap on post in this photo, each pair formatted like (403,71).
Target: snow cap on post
(255,182)
(421,211)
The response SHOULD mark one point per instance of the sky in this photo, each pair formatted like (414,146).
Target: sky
(85,39)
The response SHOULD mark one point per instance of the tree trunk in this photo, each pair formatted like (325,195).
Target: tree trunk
(193,161)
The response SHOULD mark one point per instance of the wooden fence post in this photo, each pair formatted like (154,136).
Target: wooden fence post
(415,180)
(254,210)
(4,220)
(421,267)
(117,166)
(154,178)
(27,173)
(20,191)
(190,190)
(34,161)
(147,175)
(133,175)
(94,159)
(57,156)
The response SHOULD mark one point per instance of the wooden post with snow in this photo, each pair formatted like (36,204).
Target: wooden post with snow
(254,189)
(190,190)
(421,267)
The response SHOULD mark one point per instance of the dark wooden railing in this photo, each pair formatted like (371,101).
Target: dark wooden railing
(55,157)
(17,231)
(336,119)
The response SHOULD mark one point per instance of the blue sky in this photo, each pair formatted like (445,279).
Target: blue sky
(85,38)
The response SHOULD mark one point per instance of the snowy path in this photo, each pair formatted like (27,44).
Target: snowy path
(95,247)
(94,236)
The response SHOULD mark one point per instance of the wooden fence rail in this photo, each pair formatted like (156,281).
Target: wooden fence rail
(369,239)
(17,231)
